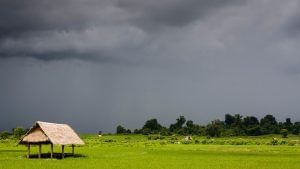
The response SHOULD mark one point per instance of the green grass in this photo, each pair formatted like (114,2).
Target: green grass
(152,152)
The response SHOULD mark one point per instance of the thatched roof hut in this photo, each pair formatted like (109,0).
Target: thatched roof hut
(51,133)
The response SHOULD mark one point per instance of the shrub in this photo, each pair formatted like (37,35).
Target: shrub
(204,141)
(18,132)
(282,142)
(274,141)
(284,133)
(4,135)
(122,130)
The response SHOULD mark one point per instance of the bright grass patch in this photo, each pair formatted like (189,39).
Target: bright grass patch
(171,152)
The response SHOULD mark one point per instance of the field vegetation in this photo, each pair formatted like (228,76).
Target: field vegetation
(235,143)
(157,151)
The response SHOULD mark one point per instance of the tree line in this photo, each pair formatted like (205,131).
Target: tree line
(16,133)
(233,125)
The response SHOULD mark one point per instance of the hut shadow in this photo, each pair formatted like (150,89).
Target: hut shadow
(56,156)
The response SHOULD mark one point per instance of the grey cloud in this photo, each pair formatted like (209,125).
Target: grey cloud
(104,63)
(21,17)
(89,30)
(156,13)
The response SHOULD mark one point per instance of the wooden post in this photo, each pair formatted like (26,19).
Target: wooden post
(40,150)
(63,151)
(51,155)
(72,149)
(28,150)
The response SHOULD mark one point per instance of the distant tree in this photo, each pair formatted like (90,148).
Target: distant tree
(18,132)
(250,121)
(180,121)
(176,127)
(229,120)
(137,131)
(251,126)
(268,119)
(238,120)
(152,125)
(214,129)
(288,121)
(121,130)
(165,131)
(146,131)
(191,128)
(288,124)
(253,130)
(4,135)
(234,125)
(296,128)
(269,125)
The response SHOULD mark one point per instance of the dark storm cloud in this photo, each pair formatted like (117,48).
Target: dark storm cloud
(30,28)
(31,16)
(97,64)
(80,29)
(156,13)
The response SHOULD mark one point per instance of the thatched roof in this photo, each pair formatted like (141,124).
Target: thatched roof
(44,132)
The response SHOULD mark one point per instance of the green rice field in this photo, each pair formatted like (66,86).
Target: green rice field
(154,152)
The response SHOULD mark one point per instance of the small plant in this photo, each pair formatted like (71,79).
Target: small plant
(274,141)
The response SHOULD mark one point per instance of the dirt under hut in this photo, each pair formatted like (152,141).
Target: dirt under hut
(50,134)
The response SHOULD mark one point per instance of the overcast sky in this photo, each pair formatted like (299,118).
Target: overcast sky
(96,64)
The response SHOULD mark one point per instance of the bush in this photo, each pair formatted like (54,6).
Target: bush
(274,141)
(204,141)
(122,130)
(18,132)
(284,133)
(282,142)
(213,129)
(4,135)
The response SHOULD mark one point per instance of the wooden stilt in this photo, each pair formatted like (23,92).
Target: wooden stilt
(72,149)
(63,151)
(51,155)
(28,150)
(40,150)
